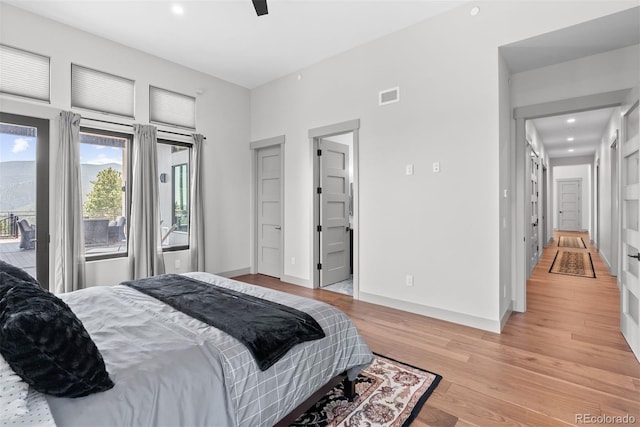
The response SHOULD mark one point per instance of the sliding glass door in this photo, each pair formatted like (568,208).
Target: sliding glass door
(24,194)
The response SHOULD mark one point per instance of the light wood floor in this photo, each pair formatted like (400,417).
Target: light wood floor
(564,356)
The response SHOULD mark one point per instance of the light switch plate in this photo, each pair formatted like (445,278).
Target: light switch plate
(436,167)
(409,170)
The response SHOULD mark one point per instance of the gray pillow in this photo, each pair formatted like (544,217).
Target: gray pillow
(46,344)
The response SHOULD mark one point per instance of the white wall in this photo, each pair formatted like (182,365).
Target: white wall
(447,69)
(506,192)
(222,116)
(582,172)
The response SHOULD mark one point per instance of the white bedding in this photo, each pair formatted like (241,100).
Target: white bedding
(172,370)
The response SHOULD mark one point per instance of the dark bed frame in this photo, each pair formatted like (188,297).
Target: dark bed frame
(349,392)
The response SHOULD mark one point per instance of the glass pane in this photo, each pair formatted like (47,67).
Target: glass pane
(102,162)
(18,196)
(633,122)
(173,167)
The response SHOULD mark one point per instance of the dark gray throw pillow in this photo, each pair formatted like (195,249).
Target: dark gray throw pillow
(46,344)
(13,271)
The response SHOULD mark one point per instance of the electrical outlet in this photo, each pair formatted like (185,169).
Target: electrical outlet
(409,169)
(409,280)
(178,264)
(436,167)
(293,260)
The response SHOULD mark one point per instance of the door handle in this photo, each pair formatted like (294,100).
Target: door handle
(636,256)
(560,211)
(278,227)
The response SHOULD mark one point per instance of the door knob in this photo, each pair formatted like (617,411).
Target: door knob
(278,228)
(636,256)
(560,211)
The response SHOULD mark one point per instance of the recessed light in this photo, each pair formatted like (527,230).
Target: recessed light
(177,9)
(571,120)
(474,11)
(571,150)
(570,139)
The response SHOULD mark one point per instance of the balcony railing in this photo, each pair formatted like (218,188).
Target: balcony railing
(9,223)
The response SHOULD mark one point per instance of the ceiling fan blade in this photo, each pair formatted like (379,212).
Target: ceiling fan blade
(260,6)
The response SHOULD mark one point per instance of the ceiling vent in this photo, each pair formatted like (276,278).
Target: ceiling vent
(389,96)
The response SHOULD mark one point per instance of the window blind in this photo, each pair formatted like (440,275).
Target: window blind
(171,108)
(100,91)
(24,73)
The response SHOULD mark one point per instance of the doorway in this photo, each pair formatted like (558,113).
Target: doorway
(335,207)
(24,185)
(268,196)
(522,212)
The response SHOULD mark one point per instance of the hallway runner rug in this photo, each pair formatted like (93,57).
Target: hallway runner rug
(573,263)
(571,242)
(389,393)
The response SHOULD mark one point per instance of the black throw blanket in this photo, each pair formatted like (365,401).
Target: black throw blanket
(266,328)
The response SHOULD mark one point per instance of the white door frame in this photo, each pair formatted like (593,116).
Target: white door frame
(253,232)
(521,214)
(614,150)
(596,184)
(315,135)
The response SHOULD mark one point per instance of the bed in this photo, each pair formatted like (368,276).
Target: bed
(170,369)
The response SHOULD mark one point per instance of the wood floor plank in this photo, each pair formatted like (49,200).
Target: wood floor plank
(563,357)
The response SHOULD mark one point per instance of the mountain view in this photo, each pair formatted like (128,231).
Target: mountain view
(18,184)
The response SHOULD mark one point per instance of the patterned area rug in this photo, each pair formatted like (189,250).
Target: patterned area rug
(389,393)
(571,242)
(573,263)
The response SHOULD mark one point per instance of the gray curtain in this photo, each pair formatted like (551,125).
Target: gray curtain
(145,245)
(69,258)
(196,214)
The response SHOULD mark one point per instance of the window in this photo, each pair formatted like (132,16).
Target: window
(171,108)
(24,73)
(103,92)
(173,167)
(105,208)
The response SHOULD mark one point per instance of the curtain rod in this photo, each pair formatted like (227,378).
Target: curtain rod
(129,125)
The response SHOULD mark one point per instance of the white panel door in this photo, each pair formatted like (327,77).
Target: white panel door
(269,212)
(534,167)
(629,277)
(569,204)
(334,213)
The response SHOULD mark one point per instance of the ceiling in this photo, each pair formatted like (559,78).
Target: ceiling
(587,131)
(226,39)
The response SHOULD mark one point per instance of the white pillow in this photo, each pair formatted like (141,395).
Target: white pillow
(13,393)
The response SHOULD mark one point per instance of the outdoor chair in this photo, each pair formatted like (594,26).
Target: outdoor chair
(117,231)
(27,234)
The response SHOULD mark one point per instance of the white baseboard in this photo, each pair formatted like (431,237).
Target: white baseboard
(506,315)
(437,313)
(234,273)
(297,281)
(606,261)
